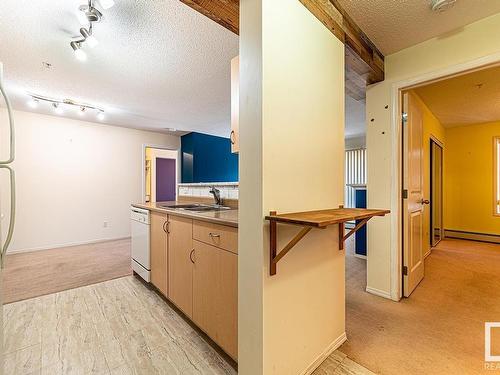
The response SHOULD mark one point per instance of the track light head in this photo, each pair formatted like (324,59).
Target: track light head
(91,14)
(77,49)
(89,38)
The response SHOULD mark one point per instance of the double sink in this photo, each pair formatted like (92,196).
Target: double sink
(196,207)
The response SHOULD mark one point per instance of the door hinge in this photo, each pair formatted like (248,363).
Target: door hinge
(404,117)
(405,270)
(405,194)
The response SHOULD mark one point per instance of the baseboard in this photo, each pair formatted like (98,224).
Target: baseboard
(378,292)
(321,358)
(427,254)
(71,244)
(473,236)
(360,256)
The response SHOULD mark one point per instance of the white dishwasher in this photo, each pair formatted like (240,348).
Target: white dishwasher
(139,219)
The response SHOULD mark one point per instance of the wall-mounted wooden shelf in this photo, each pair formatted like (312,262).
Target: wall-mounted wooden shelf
(316,219)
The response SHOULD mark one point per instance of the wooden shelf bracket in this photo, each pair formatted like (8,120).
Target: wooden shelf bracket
(327,217)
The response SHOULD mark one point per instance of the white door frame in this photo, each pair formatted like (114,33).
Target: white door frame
(396,163)
(143,174)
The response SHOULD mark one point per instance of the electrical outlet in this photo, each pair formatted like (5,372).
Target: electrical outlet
(105,224)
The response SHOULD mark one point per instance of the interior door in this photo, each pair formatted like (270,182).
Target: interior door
(166,171)
(413,201)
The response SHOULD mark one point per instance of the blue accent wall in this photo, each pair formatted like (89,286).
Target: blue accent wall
(207,158)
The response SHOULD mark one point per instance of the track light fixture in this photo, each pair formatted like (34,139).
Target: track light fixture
(88,14)
(58,105)
(77,49)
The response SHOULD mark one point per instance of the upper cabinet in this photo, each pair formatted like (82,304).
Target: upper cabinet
(235,104)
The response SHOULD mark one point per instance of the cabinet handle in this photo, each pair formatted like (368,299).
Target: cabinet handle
(191,256)
(231,137)
(214,235)
(166,227)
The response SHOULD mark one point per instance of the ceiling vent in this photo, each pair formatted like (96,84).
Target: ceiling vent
(442,5)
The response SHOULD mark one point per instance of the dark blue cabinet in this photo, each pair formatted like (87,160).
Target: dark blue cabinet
(207,158)
(360,240)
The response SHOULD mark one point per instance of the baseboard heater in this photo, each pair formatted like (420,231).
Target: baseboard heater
(483,237)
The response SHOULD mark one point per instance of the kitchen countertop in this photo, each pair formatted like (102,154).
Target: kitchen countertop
(225,217)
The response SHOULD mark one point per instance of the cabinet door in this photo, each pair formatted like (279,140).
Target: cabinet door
(205,275)
(180,266)
(215,295)
(158,251)
(235,104)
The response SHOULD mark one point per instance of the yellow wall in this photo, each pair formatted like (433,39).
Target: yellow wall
(431,127)
(291,98)
(468,179)
(472,42)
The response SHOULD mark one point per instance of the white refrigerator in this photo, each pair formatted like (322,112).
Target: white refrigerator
(7,189)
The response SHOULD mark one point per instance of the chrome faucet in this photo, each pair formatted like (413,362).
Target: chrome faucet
(216,194)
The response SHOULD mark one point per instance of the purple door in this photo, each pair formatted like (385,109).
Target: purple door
(165,179)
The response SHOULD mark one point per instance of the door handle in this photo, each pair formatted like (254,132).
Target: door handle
(10,231)
(166,226)
(424,201)
(11,125)
(191,256)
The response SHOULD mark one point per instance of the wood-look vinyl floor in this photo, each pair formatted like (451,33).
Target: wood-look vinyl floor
(37,273)
(440,328)
(119,326)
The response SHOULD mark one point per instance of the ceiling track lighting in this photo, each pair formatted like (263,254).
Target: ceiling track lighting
(88,14)
(57,105)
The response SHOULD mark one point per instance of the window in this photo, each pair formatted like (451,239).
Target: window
(355,173)
(496,155)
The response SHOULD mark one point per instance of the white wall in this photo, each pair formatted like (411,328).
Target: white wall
(72,176)
(291,98)
(475,41)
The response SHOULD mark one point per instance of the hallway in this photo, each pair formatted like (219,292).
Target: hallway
(440,328)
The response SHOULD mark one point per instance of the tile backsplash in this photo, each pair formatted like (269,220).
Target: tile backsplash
(228,190)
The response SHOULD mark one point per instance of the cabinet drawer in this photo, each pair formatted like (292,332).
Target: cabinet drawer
(217,235)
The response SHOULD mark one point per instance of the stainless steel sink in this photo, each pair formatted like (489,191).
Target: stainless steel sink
(208,208)
(196,207)
(182,206)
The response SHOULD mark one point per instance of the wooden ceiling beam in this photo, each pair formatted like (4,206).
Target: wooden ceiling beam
(225,12)
(364,63)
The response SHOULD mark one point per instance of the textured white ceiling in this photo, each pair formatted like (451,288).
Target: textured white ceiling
(464,100)
(397,24)
(159,64)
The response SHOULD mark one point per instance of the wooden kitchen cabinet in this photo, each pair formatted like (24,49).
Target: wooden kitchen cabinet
(180,263)
(158,251)
(235,104)
(215,295)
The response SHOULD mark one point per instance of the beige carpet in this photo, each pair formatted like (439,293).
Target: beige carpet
(33,274)
(440,328)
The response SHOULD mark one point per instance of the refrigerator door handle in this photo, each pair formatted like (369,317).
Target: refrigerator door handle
(10,231)
(11,124)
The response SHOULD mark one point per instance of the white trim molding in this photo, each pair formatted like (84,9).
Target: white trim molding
(69,244)
(379,293)
(321,358)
